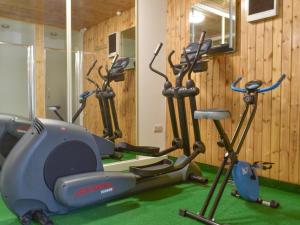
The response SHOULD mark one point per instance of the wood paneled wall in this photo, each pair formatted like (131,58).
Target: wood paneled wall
(264,50)
(95,40)
(40,71)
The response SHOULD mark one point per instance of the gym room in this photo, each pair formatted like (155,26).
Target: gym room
(153,112)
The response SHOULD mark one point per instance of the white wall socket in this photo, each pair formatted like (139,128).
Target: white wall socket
(158,128)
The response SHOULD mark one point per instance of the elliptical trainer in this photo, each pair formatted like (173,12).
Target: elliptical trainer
(55,168)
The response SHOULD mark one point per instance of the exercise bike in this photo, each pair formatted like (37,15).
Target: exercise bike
(55,167)
(244,174)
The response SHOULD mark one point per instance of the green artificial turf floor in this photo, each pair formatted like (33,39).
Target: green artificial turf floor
(160,207)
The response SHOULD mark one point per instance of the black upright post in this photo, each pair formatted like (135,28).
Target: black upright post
(173,117)
(107,116)
(183,125)
(79,111)
(115,117)
(103,116)
(193,91)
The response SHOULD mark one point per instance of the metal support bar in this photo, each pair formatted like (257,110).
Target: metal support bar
(69,58)
(107,114)
(239,127)
(183,126)
(114,115)
(196,127)
(252,115)
(31,82)
(173,117)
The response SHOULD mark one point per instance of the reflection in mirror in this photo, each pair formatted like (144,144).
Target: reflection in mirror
(92,22)
(128,46)
(56,69)
(16,37)
(217,18)
(108,17)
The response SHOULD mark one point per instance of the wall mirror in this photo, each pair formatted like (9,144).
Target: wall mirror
(35,45)
(127,44)
(218,19)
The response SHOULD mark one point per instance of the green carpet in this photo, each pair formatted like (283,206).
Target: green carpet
(160,207)
(126,156)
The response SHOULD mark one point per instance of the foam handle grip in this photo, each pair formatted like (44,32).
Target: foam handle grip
(115,59)
(202,37)
(283,76)
(158,48)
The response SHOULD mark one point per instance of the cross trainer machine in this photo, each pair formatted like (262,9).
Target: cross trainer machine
(55,168)
(191,61)
(13,127)
(106,95)
(243,173)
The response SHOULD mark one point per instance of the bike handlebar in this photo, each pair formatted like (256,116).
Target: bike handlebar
(260,90)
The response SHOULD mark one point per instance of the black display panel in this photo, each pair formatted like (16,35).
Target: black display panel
(258,6)
(112,43)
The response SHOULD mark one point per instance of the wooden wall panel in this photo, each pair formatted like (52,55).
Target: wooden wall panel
(86,13)
(264,50)
(40,71)
(95,46)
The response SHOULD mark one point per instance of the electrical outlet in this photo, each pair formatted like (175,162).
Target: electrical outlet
(158,128)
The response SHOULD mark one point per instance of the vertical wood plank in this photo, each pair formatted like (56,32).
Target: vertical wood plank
(287,164)
(40,71)
(267,97)
(275,125)
(260,29)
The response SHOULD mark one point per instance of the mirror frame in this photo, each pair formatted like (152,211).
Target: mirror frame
(224,47)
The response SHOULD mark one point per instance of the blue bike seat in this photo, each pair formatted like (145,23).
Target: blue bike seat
(253,85)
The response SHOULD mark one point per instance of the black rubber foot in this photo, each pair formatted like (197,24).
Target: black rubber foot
(117,155)
(41,218)
(37,216)
(274,204)
(198,179)
(235,193)
(182,212)
(25,220)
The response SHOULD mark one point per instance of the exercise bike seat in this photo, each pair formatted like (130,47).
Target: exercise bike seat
(213,114)
(54,107)
(155,169)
